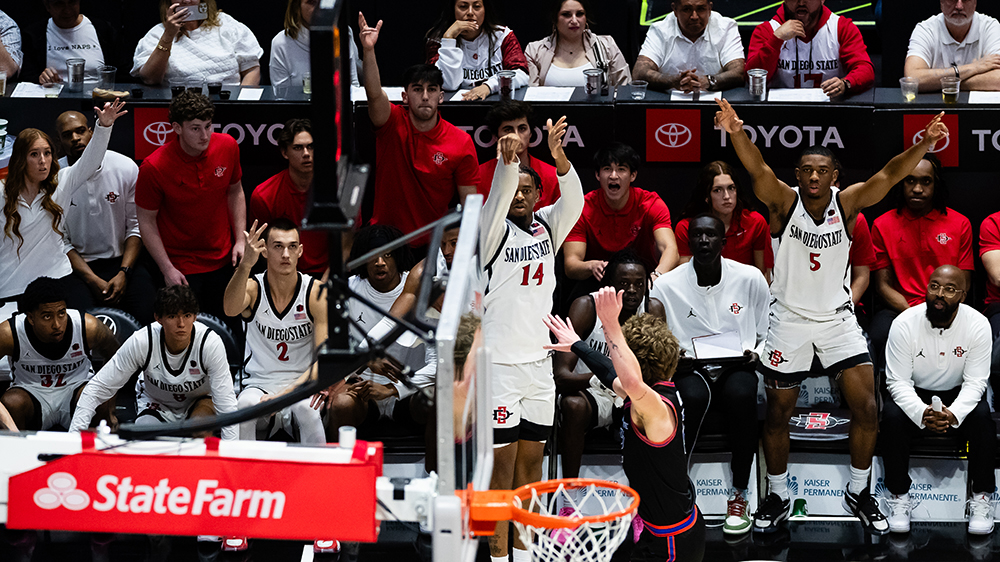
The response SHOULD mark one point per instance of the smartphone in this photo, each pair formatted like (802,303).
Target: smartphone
(196,13)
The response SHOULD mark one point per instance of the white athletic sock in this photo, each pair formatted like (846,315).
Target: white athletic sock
(520,555)
(778,484)
(498,559)
(859,479)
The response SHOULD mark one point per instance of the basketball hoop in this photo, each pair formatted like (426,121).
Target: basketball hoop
(550,537)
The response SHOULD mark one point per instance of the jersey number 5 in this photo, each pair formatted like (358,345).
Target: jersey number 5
(539,274)
(47,380)
(282,351)
(813,261)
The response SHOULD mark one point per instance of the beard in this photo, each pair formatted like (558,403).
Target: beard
(940,316)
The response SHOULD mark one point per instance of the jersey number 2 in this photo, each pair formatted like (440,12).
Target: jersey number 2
(282,351)
(539,274)
(47,380)
(813,261)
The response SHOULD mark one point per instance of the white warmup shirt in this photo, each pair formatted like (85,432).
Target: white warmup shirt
(207,53)
(473,63)
(172,382)
(43,252)
(519,266)
(101,215)
(920,355)
(931,41)
(280,343)
(290,58)
(672,52)
(78,42)
(739,303)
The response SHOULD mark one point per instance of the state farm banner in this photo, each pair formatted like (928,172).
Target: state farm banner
(191,495)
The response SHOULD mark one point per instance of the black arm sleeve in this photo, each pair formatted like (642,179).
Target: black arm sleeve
(599,363)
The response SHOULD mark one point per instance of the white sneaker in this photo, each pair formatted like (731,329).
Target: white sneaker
(980,515)
(899,513)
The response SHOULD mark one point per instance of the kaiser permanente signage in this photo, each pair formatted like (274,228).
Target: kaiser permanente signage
(198,495)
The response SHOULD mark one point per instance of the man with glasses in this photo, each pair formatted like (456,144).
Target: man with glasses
(939,349)
(921,234)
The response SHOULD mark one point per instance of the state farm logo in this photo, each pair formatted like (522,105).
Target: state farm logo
(62,492)
(157,133)
(947,149)
(673,135)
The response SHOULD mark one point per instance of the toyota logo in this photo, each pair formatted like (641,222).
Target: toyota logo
(157,133)
(937,148)
(673,135)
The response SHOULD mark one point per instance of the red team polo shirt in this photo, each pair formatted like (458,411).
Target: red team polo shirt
(862,250)
(916,246)
(279,198)
(607,231)
(747,233)
(548,173)
(417,174)
(989,239)
(191,195)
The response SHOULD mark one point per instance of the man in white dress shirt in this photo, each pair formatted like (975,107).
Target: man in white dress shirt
(693,49)
(940,348)
(958,42)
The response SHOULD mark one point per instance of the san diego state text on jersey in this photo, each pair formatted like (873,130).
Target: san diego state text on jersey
(285,334)
(185,387)
(528,253)
(816,241)
(43,369)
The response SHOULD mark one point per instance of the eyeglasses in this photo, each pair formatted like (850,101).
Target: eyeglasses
(945,290)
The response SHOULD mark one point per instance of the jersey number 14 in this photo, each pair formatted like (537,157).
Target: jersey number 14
(539,274)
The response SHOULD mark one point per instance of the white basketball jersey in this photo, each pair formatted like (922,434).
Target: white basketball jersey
(520,280)
(32,369)
(597,341)
(280,343)
(362,313)
(807,65)
(173,381)
(812,264)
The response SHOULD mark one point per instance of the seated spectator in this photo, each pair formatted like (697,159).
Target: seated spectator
(619,215)
(372,396)
(585,403)
(989,252)
(196,40)
(102,229)
(10,46)
(284,194)
(958,42)
(714,295)
(718,192)
(513,116)
(916,374)
(921,234)
(67,34)
(193,222)
(176,352)
(692,49)
(285,312)
(424,162)
(561,58)
(805,45)
(471,48)
(290,48)
(48,347)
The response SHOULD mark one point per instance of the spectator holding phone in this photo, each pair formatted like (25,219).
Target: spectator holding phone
(197,40)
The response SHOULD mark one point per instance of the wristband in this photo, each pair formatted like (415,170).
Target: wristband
(125,270)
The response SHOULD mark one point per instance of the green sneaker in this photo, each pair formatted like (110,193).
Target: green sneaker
(737,518)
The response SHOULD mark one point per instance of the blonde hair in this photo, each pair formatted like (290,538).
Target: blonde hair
(467,328)
(654,345)
(293,19)
(211,21)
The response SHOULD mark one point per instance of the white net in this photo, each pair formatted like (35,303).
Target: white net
(584,541)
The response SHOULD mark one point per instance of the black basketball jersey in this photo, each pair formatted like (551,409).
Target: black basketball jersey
(658,471)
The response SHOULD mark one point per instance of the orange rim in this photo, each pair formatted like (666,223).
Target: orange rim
(522,515)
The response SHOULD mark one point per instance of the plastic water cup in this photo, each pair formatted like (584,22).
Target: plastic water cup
(74,71)
(595,79)
(3,82)
(949,89)
(307,83)
(107,77)
(639,89)
(195,85)
(506,83)
(3,134)
(908,86)
(214,88)
(758,83)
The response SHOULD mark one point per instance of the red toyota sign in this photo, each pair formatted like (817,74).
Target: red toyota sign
(947,149)
(673,135)
(208,495)
(152,130)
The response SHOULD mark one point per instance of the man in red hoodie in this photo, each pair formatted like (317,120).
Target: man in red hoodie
(805,45)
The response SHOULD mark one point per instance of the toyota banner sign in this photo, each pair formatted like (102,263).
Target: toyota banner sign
(200,495)
(673,135)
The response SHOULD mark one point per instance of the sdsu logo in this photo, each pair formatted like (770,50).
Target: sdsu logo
(440,158)
(958,351)
(219,171)
(776,359)
(501,414)
(735,308)
(62,492)
(817,420)
(111,197)
(943,239)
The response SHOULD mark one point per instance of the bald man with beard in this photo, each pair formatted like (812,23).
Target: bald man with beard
(100,223)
